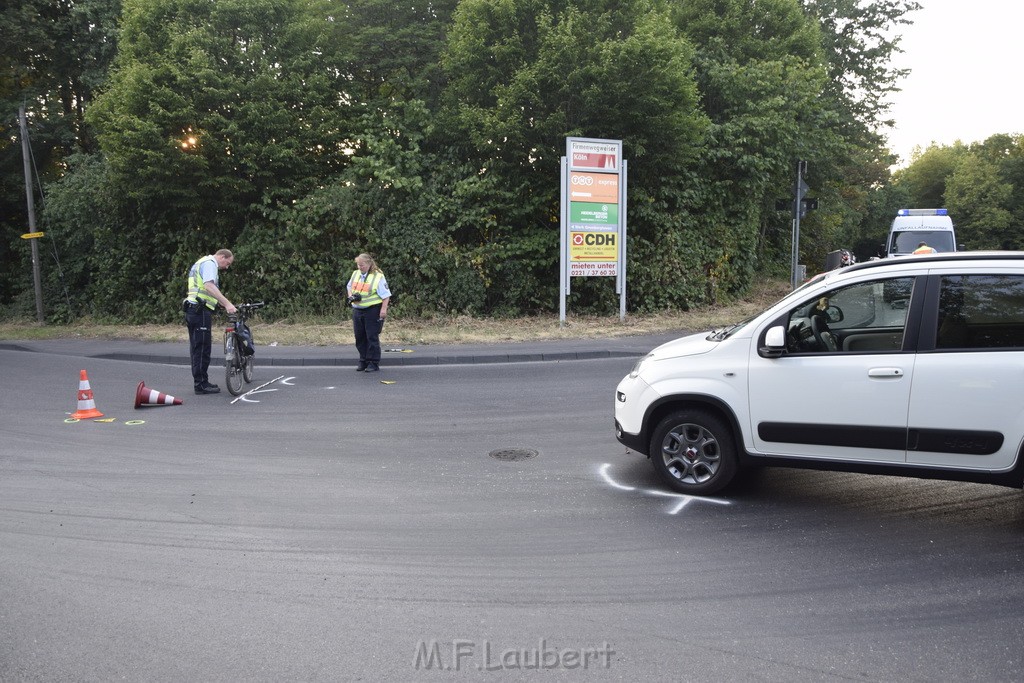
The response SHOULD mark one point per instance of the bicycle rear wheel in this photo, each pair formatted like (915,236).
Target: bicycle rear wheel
(232,365)
(247,367)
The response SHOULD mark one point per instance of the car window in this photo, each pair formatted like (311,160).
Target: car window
(907,242)
(861,318)
(981,312)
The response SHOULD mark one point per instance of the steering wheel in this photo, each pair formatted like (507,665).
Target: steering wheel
(826,340)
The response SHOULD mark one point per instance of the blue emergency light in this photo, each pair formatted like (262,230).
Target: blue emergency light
(922,212)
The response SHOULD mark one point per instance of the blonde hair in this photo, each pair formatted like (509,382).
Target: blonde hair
(370,263)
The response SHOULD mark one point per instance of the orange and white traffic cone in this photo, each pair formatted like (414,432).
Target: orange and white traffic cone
(86,403)
(144,396)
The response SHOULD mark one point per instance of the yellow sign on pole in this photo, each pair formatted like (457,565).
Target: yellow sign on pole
(593,246)
(32,235)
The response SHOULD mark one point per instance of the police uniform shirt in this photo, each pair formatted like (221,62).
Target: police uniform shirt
(382,285)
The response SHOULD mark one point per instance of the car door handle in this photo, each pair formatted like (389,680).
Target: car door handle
(885,373)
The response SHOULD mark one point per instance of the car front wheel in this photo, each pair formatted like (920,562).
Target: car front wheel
(694,451)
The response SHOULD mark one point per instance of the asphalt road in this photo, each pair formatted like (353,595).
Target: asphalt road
(333,527)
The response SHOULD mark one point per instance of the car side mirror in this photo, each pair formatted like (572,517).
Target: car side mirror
(835,314)
(774,342)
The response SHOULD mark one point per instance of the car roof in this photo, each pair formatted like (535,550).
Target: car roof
(952,256)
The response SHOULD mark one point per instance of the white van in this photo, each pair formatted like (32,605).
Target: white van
(911,227)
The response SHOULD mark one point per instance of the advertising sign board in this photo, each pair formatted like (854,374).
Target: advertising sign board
(603,154)
(602,188)
(593,225)
(589,216)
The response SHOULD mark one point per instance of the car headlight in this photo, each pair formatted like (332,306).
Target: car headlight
(639,365)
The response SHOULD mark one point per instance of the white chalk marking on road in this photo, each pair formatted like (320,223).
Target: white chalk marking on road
(683,499)
(246,395)
(256,390)
(611,482)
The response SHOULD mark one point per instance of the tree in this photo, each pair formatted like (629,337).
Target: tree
(860,41)
(56,56)
(1009,151)
(983,190)
(762,78)
(215,113)
(979,183)
(525,74)
(300,132)
(976,197)
(392,51)
(925,178)
(391,195)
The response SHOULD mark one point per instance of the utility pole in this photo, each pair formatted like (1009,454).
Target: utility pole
(26,153)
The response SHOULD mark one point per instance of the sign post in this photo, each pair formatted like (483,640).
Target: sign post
(593,216)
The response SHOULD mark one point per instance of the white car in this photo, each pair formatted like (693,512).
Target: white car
(910,366)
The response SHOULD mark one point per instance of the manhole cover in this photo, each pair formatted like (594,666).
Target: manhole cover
(510,454)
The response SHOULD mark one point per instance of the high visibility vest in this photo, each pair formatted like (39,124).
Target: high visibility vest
(924,250)
(367,289)
(196,286)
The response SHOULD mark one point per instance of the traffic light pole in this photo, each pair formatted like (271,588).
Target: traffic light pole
(798,193)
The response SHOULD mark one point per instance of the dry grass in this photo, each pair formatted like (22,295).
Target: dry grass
(448,330)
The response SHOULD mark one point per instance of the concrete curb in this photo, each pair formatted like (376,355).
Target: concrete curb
(388,360)
(170,353)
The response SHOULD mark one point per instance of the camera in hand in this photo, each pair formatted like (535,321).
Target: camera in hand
(355,297)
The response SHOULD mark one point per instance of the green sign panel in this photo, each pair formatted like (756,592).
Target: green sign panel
(604,216)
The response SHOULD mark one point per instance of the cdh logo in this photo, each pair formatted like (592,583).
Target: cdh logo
(599,239)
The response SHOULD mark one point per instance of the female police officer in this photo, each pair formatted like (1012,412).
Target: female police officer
(369,295)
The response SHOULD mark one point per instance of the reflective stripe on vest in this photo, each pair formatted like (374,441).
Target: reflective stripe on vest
(196,289)
(367,289)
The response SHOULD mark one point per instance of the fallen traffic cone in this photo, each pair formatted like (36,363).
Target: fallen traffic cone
(144,396)
(86,403)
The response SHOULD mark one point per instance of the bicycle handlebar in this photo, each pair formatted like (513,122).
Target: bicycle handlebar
(244,309)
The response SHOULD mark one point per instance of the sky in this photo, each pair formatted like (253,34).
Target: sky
(966,58)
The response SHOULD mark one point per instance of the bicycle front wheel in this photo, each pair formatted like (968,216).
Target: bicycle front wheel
(232,365)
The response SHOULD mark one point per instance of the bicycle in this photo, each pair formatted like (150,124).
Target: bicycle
(238,348)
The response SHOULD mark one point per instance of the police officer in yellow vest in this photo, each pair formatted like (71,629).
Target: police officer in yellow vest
(369,295)
(923,248)
(203,297)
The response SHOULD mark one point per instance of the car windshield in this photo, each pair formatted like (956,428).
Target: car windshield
(729,330)
(721,333)
(907,242)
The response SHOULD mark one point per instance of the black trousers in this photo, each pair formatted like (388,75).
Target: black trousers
(366,324)
(200,340)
